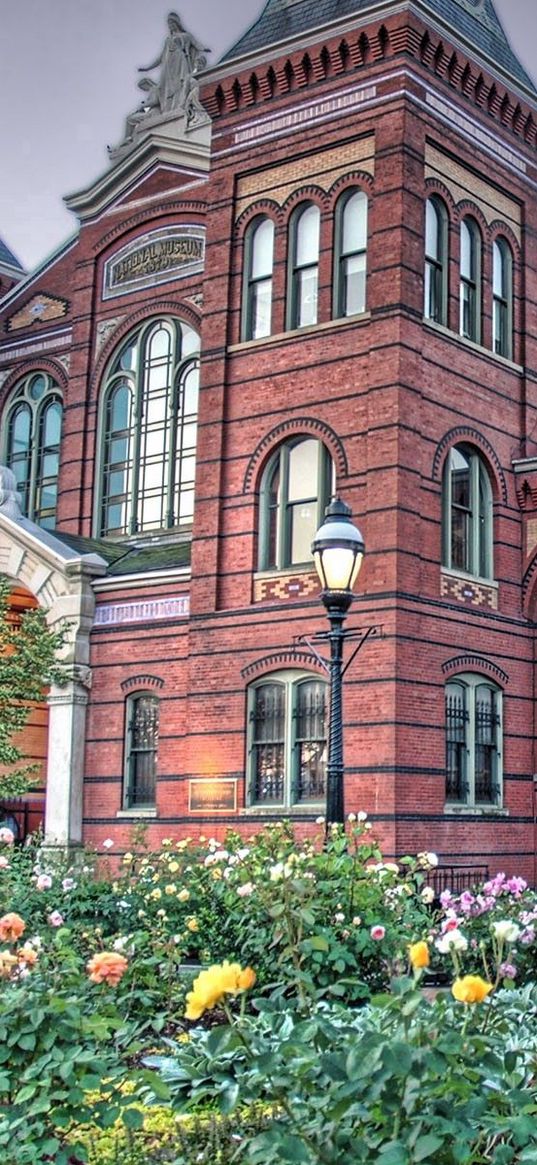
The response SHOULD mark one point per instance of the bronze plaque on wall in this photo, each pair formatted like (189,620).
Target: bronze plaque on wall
(212,795)
(154,258)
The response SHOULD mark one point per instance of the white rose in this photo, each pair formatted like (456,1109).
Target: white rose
(505,930)
(427,895)
(453,940)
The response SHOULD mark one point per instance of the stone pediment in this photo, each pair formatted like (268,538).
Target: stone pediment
(40,309)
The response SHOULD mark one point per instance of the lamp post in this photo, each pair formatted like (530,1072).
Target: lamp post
(338,551)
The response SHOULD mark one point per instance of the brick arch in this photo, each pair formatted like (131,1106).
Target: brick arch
(467,208)
(436,186)
(474,663)
(52,367)
(280,660)
(179,308)
(529,589)
(498,227)
(143,217)
(357,179)
(265,206)
(308,426)
(462,434)
(310,193)
(142,681)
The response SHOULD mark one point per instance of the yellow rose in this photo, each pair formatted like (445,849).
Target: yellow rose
(212,985)
(170,889)
(471,989)
(183,895)
(418,954)
(156,894)
(193,924)
(216,874)
(173,867)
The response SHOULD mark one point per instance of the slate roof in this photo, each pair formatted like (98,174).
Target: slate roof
(8,259)
(475,21)
(125,558)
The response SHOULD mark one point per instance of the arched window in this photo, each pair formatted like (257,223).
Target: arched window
(33,423)
(287,740)
(473,741)
(295,490)
(141,750)
(470,281)
(467,513)
(149,420)
(350,253)
(436,261)
(502,298)
(257,300)
(304,234)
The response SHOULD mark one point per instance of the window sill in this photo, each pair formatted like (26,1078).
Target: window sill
(472,345)
(476,579)
(456,810)
(294,333)
(281,812)
(141,814)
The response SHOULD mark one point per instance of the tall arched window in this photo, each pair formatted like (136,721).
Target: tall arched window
(436,261)
(467,513)
(149,421)
(350,253)
(470,281)
(32,424)
(287,740)
(473,741)
(296,488)
(502,298)
(259,260)
(141,750)
(304,235)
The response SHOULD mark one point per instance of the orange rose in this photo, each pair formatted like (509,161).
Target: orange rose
(11,928)
(107,967)
(246,979)
(27,955)
(7,963)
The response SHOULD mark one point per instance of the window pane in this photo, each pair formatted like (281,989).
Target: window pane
(303,470)
(37,387)
(304,522)
(456,743)
(262,250)
(143,747)
(310,741)
(307,237)
(268,743)
(432,231)
(486,727)
(354,276)
(467,252)
(261,309)
(499,281)
(354,234)
(307,283)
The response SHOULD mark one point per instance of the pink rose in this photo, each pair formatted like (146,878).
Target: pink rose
(7,837)
(44,882)
(377,933)
(4,864)
(55,918)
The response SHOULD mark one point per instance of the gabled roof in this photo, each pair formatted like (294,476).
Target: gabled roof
(8,259)
(475,21)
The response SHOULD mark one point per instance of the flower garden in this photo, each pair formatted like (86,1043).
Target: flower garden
(263,1000)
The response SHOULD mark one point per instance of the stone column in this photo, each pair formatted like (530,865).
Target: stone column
(65,770)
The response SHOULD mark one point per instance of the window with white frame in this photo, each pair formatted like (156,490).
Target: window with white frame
(32,424)
(257,299)
(470,281)
(502,298)
(350,263)
(295,490)
(141,750)
(148,431)
(303,283)
(467,513)
(436,261)
(473,741)
(287,741)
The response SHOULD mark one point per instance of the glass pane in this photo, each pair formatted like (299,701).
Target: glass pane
(190,342)
(159,344)
(432,231)
(20,431)
(456,745)
(467,252)
(190,388)
(143,741)
(307,237)
(268,743)
(128,357)
(460,478)
(307,282)
(262,250)
(498,271)
(310,741)
(303,470)
(354,274)
(354,234)
(37,387)
(120,408)
(261,309)
(52,424)
(303,522)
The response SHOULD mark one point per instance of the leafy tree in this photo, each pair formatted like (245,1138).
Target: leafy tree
(28,664)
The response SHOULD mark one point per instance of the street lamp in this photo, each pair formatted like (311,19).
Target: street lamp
(338,551)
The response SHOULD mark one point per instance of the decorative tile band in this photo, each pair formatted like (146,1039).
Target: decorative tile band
(146,610)
(472,594)
(475,131)
(285,587)
(296,118)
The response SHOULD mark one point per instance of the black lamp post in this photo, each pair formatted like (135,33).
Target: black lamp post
(338,551)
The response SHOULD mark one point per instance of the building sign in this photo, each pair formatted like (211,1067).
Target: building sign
(212,795)
(108,614)
(157,257)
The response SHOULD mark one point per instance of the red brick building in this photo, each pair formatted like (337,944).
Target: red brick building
(337,234)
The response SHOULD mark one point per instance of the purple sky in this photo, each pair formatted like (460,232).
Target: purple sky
(68,74)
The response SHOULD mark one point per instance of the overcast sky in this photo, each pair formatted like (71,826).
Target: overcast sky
(68,77)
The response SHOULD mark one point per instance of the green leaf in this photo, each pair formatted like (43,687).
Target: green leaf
(394,1153)
(319,943)
(229,1097)
(426,1146)
(133,1118)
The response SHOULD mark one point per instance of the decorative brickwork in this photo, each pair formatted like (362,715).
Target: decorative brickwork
(285,586)
(465,590)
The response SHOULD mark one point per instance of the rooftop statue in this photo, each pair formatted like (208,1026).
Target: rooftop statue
(177,89)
